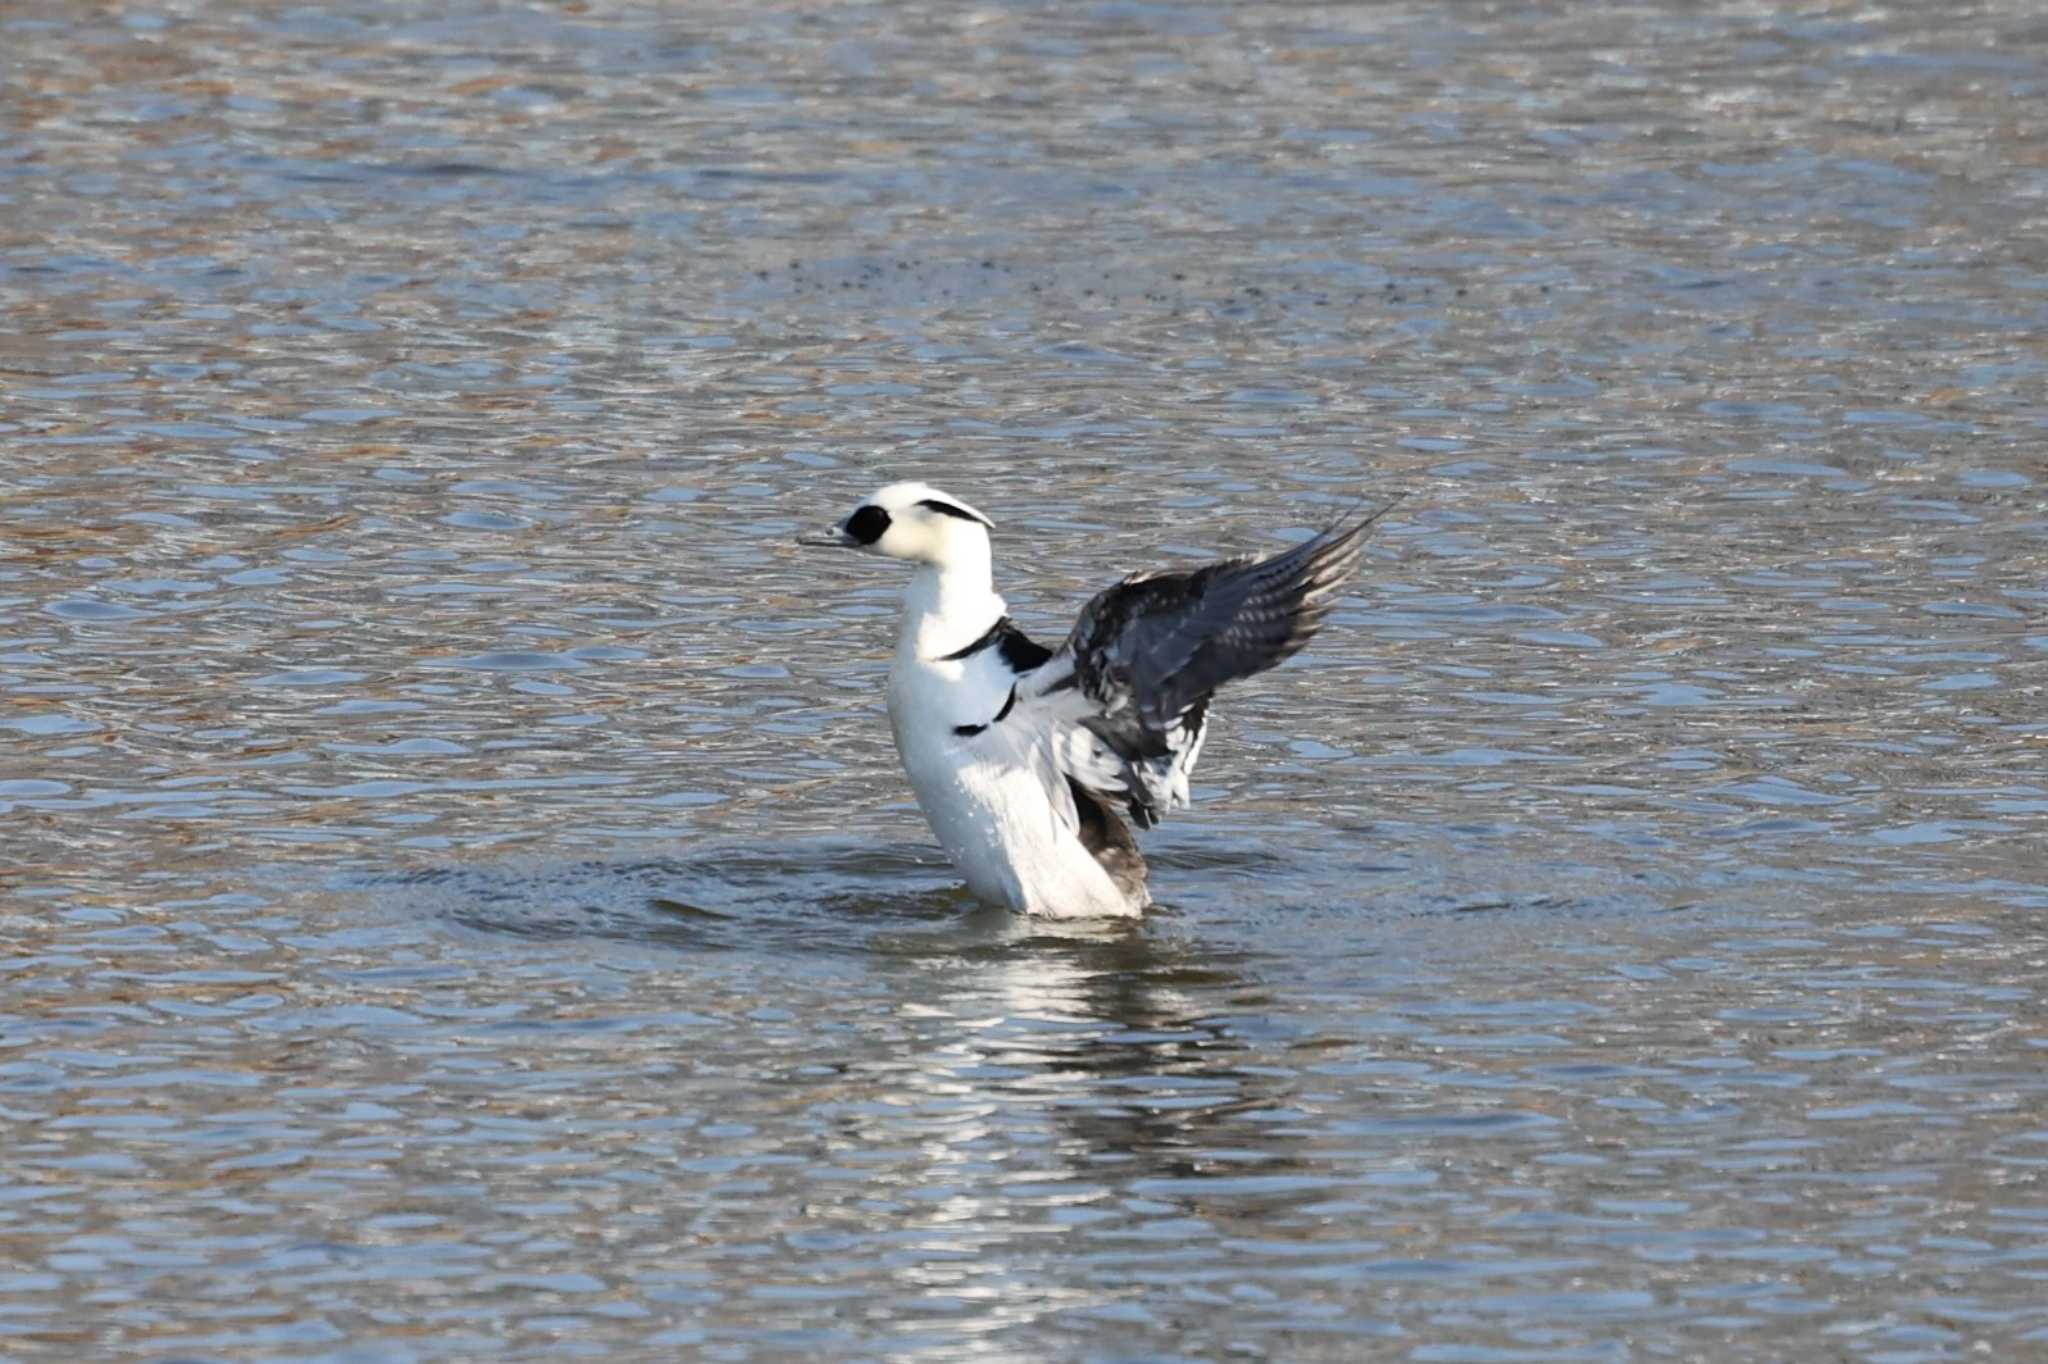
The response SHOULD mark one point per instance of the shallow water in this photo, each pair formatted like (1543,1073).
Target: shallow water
(460,899)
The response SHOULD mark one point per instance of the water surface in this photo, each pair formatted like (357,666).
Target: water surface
(460,898)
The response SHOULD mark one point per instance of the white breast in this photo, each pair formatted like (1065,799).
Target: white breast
(987,796)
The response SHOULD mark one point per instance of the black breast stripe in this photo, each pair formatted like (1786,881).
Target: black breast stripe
(969,731)
(988,637)
(1020,652)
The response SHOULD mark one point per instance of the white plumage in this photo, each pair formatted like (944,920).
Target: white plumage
(1021,755)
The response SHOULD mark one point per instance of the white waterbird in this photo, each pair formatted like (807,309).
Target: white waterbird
(1022,756)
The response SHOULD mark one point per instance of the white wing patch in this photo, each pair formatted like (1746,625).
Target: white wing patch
(1066,729)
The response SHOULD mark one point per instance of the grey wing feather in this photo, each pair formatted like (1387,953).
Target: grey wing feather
(1159,642)
(1149,652)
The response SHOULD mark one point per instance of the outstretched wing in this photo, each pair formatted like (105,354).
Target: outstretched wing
(1130,688)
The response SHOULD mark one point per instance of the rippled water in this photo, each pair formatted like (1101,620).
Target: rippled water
(459,896)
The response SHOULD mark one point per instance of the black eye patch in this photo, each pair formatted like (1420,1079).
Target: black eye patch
(868,524)
(945,508)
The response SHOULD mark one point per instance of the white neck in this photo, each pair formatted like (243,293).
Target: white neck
(947,607)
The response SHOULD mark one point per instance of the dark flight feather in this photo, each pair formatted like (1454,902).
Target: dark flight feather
(1151,650)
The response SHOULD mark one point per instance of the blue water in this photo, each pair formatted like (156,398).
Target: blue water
(459,897)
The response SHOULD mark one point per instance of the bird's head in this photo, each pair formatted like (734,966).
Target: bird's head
(915,521)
